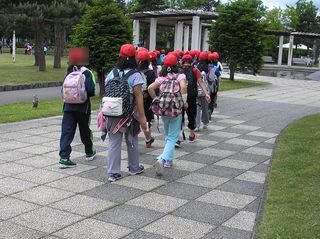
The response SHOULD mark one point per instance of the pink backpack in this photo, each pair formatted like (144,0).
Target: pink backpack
(73,89)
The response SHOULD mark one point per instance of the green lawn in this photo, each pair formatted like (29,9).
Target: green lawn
(292,208)
(24,72)
(24,111)
(238,84)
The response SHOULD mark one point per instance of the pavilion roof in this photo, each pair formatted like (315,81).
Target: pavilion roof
(287,33)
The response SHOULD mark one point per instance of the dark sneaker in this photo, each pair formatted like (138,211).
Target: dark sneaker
(114,177)
(159,167)
(178,144)
(167,163)
(193,139)
(137,171)
(149,142)
(66,163)
(91,156)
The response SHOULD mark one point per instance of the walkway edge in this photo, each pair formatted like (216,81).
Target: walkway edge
(29,86)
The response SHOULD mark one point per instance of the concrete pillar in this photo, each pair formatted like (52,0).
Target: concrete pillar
(180,36)
(200,36)
(153,34)
(14,46)
(136,32)
(290,53)
(175,37)
(205,43)
(280,50)
(195,33)
(186,38)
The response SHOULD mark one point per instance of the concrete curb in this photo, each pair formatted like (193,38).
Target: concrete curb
(29,86)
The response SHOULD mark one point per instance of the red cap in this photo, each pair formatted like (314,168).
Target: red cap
(210,57)
(142,49)
(187,58)
(79,56)
(170,60)
(157,52)
(127,50)
(143,56)
(153,55)
(203,56)
(216,55)
(192,53)
(163,51)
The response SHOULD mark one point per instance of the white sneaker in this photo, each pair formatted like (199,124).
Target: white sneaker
(159,167)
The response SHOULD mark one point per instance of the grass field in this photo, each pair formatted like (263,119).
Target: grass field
(292,208)
(238,84)
(23,70)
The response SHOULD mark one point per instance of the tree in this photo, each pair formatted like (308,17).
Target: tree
(146,5)
(238,34)
(103,29)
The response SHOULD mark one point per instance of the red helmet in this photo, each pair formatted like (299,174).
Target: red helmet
(187,58)
(216,55)
(203,56)
(170,60)
(143,55)
(153,55)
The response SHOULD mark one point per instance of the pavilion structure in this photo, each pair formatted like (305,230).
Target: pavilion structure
(291,35)
(197,21)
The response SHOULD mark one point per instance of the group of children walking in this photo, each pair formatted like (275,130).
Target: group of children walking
(135,92)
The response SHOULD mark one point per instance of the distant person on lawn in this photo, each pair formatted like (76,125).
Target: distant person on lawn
(77,113)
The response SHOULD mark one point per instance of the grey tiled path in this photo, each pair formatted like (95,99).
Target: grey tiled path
(214,189)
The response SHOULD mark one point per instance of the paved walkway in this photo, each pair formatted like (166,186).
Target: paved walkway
(214,189)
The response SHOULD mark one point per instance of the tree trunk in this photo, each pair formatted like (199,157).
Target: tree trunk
(40,59)
(101,75)
(232,69)
(57,42)
(316,46)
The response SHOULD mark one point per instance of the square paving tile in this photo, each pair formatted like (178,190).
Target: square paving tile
(14,231)
(114,193)
(80,168)
(141,182)
(203,180)
(93,229)
(13,136)
(38,161)
(182,190)
(230,121)
(75,184)
(40,220)
(226,199)
(43,195)
(216,152)
(259,151)
(10,185)
(237,164)
(169,174)
(230,147)
(97,174)
(36,149)
(40,176)
(204,212)
(141,234)
(223,134)
(35,139)
(246,127)
(219,116)
(10,145)
(242,187)
(242,142)
(228,233)
(243,220)
(11,207)
(263,134)
(129,216)
(10,169)
(201,158)
(252,177)
(178,228)
(83,205)
(187,165)
(220,171)
(260,168)
(271,141)
(177,153)
(10,156)
(249,157)
(157,202)
(253,206)
(216,127)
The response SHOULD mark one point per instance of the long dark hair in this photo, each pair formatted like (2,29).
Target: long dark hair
(165,70)
(203,66)
(143,65)
(126,63)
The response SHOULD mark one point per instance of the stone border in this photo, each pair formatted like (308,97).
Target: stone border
(29,86)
